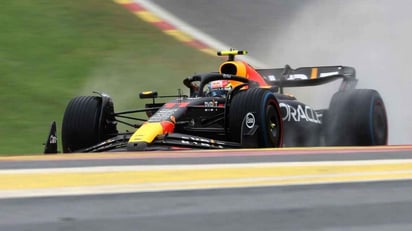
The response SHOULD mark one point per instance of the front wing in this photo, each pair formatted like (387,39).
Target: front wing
(163,142)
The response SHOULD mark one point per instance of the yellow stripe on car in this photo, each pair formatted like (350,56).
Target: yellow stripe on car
(147,133)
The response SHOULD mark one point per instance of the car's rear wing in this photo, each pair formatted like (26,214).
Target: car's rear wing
(309,76)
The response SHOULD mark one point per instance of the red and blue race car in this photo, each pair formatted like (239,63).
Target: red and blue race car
(236,107)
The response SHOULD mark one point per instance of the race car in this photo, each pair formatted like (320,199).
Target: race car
(238,106)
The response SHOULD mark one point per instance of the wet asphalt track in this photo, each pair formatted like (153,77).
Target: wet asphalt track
(343,206)
(383,206)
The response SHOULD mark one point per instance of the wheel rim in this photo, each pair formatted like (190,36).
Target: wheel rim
(272,125)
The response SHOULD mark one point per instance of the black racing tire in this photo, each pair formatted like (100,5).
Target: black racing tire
(83,125)
(263,103)
(356,118)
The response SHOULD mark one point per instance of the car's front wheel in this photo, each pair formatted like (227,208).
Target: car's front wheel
(87,122)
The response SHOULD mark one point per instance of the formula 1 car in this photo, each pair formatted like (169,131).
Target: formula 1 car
(237,107)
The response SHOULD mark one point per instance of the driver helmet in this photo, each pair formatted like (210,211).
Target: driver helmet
(219,88)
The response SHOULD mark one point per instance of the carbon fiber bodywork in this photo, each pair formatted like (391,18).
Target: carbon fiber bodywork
(253,113)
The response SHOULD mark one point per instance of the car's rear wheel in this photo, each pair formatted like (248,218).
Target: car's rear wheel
(356,118)
(87,122)
(261,106)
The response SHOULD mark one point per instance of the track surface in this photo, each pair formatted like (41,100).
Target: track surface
(358,207)
(208,157)
(364,205)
